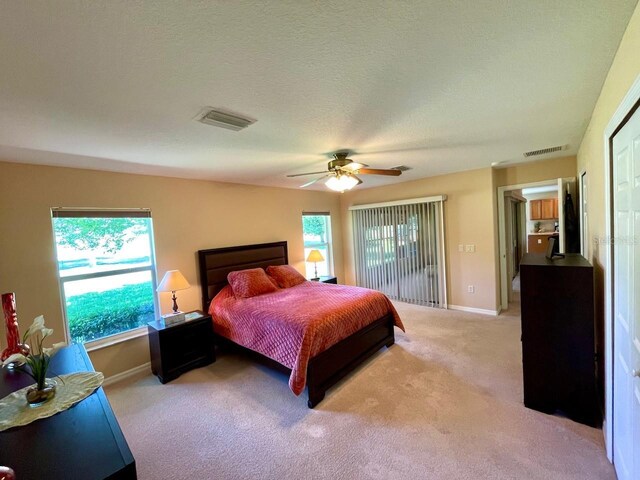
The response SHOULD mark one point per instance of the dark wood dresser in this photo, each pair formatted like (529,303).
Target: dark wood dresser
(558,337)
(84,442)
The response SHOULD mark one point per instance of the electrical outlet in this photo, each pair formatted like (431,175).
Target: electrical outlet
(471,289)
(470,248)
(461,248)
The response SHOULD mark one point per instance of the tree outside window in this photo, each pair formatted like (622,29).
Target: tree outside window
(316,230)
(107,272)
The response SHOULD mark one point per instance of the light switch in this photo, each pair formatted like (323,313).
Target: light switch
(470,248)
(461,248)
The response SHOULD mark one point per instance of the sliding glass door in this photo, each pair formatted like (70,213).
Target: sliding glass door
(399,251)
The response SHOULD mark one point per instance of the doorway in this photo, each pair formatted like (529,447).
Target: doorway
(548,221)
(515,229)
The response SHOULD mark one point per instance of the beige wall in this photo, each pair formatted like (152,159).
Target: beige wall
(536,171)
(188,215)
(623,72)
(469,219)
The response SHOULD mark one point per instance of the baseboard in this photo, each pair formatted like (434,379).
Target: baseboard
(127,373)
(482,311)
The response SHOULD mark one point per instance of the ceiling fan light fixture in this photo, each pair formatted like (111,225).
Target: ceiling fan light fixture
(342,183)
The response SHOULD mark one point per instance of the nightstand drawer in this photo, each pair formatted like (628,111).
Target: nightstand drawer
(188,345)
(178,348)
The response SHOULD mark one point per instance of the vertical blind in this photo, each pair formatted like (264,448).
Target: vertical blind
(399,249)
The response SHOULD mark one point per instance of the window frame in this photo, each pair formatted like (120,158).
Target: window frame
(81,212)
(328,244)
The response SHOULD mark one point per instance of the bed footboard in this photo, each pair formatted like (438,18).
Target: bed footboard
(328,367)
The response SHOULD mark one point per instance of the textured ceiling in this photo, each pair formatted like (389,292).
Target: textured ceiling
(439,86)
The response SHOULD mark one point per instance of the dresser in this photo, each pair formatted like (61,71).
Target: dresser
(559,337)
(84,442)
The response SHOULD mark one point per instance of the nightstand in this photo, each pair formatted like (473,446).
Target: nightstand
(178,348)
(329,279)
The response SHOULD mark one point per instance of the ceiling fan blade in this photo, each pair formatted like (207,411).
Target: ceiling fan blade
(379,171)
(353,166)
(314,181)
(359,179)
(310,173)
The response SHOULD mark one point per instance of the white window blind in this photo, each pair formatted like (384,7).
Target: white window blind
(399,249)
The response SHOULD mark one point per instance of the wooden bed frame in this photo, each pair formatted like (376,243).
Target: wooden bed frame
(326,368)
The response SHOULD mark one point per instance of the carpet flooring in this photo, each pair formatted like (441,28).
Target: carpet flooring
(444,402)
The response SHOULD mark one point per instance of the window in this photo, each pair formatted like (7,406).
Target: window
(106,269)
(316,229)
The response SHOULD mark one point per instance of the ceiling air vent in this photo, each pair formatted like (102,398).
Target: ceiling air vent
(543,151)
(402,168)
(225,119)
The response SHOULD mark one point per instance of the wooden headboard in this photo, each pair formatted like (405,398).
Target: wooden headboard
(216,263)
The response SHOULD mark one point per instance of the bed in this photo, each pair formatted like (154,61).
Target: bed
(324,368)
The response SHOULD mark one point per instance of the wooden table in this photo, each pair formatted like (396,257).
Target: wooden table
(84,442)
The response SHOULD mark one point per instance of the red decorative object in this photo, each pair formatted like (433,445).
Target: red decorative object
(7,474)
(13,334)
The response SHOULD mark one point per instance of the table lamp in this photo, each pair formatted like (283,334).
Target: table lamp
(172,281)
(315,256)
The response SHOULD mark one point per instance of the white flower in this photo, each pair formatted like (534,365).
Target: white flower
(15,358)
(37,325)
(50,352)
(46,332)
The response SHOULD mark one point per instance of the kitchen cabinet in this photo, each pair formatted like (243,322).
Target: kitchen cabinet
(536,209)
(537,243)
(545,209)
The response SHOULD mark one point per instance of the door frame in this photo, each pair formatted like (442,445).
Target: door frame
(617,121)
(502,234)
(584,229)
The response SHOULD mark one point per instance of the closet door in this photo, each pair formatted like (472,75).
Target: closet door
(626,271)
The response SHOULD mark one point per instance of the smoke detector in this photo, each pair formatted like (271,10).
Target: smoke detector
(544,151)
(224,118)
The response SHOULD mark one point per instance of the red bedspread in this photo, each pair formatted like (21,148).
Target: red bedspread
(294,324)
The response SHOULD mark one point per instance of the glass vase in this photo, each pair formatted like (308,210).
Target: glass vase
(37,397)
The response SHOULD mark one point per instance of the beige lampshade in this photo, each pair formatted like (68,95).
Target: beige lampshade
(315,256)
(173,280)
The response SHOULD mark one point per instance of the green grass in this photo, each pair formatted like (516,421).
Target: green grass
(99,314)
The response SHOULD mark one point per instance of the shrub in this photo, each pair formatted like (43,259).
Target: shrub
(98,314)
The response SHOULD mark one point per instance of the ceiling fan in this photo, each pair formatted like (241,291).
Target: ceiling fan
(342,173)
